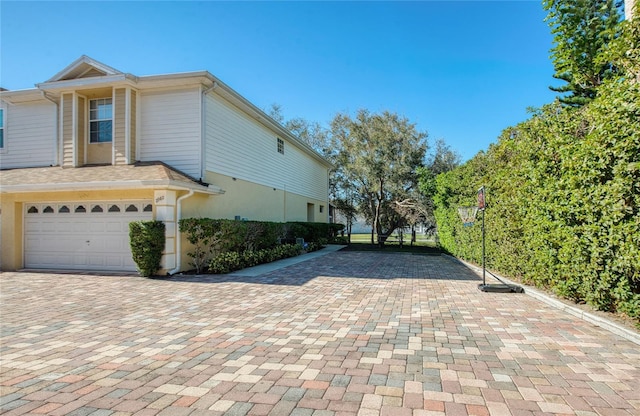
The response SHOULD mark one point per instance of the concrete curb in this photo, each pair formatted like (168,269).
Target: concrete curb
(577,312)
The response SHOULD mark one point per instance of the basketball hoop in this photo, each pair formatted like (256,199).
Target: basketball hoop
(481,201)
(468,215)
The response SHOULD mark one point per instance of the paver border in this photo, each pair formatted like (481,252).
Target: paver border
(572,310)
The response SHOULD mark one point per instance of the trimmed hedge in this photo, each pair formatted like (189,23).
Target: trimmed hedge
(563,190)
(231,261)
(212,236)
(313,231)
(147,239)
(220,245)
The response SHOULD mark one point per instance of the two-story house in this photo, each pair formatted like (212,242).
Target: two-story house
(92,148)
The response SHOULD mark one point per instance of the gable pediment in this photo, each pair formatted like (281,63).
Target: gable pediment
(84,67)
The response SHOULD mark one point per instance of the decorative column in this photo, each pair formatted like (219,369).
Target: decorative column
(165,202)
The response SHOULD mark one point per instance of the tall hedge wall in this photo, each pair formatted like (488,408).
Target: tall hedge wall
(563,190)
(208,237)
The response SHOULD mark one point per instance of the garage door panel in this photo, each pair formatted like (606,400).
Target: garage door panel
(78,261)
(91,240)
(111,244)
(95,261)
(69,228)
(31,243)
(78,226)
(112,226)
(52,260)
(31,227)
(48,226)
(114,261)
(96,226)
(60,244)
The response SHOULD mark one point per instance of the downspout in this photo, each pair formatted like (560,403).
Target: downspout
(177,234)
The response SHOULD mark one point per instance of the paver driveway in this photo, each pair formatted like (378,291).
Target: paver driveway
(345,334)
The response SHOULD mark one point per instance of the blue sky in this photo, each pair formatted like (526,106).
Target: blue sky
(461,70)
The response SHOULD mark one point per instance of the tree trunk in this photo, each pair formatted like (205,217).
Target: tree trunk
(379,199)
(372,211)
(628,9)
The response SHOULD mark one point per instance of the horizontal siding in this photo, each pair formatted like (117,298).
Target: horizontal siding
(80,130)
(170,129)
(119,126)
(29,136)
(67,130)
(241,147)
(133,112)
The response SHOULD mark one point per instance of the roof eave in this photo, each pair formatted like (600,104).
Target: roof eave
(113,185)
(96,82)
(175,80)
(22,96)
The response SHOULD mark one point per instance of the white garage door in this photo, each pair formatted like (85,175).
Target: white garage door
(81,235)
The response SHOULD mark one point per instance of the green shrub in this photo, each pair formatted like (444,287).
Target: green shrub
(340,240)
(314,246)
(222,246)
(211,237)
(564,201)
(564,194)
(147,240)
(200,232)
(262,234)
(228,262)
(313,231)
(286,250)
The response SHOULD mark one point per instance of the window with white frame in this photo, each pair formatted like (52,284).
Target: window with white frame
(280,145)
(1,128)
(100,120)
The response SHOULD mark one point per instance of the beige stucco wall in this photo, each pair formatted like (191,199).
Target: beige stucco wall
(12,215)
(247,200)
(257,202)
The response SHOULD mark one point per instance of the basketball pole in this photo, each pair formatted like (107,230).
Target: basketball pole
(503,287)
(484,280)
(482,206)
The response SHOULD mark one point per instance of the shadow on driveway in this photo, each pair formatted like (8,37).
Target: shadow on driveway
(349,264)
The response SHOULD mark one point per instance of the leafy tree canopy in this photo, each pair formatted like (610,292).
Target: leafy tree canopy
(378,155)
(564,188)
(582,30)
(310,132)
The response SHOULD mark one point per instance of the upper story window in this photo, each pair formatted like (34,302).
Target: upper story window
(280,145)
(1,128)
(100,120)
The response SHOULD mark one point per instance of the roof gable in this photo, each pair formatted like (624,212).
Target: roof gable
(84,67)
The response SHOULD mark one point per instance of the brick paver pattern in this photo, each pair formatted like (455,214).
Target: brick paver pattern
(350,333)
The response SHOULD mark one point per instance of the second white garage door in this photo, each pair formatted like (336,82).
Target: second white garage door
(81,235)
